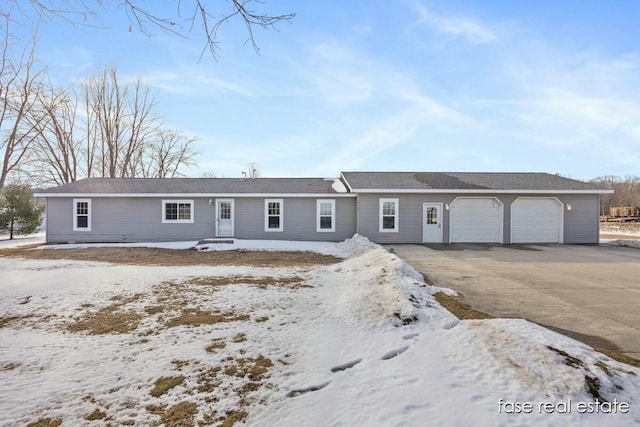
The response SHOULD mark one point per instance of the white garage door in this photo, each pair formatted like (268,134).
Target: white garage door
(476,220)
(536,220)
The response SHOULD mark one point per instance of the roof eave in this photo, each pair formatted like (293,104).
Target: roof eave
(478,191)
(193,195)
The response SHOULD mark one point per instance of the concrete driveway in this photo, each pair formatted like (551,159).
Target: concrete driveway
(591,293)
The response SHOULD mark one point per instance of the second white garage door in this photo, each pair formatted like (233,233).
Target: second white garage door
(536,220)
(475,220)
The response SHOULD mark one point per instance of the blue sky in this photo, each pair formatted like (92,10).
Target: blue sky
(550,86)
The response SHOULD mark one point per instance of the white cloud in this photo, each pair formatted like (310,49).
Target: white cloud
(189,80)
(340,75)
(226,86)
(391,131)
(591,101)
(468,29)
(345,88)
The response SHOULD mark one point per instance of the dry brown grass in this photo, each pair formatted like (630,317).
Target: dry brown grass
(45,422)
(254,369)
(619,236)
(111,319)
(459,309)
(180,415)
(261,282)
(218,344)
(197,317)
(4,321)
(176,257)
(97,414)
(154,309)
(10,366)
(620,357)
(164,384)
(209,380)
(625,230)
(233,417)
(241,337)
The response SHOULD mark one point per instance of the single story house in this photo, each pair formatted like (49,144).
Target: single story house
(386,207)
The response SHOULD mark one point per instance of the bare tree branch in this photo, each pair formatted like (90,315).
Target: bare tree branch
(253,170)
(19,82)
(200,16)
(54,156)
(165,154)
(120,121)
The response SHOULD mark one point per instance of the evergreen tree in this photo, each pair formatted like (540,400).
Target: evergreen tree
(19,211)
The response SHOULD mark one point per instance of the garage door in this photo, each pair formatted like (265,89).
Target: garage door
(536,220)
(476,220)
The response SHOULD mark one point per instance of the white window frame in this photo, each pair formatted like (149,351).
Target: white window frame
(75,214)
(266,215)
(179,202)
(396,216)
(319,203)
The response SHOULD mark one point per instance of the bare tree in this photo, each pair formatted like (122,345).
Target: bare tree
(114,133)
(209,174)
(55,154)
(626,192)
(19,82)
(120,120)
(253,170)
(189,16)
(165,154)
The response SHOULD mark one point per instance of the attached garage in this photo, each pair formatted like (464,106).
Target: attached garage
(476,220)
(537,220)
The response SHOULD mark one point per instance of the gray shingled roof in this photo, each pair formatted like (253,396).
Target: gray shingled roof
(194,186)
(424,181)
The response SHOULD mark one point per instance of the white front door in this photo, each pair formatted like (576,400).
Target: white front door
(224,218)
(432,223)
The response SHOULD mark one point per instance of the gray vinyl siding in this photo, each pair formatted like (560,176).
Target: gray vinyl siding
(299,219)
(140,220)
(409,218)
(127,220)
(580,224)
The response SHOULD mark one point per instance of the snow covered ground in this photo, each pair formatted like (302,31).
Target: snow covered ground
(17,241)
(359,342)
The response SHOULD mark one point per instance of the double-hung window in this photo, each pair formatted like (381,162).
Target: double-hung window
(177,211)
(325,215)
(273,210)
(81,214)
(388,215)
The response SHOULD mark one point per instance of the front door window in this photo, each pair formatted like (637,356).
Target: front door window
(432,216)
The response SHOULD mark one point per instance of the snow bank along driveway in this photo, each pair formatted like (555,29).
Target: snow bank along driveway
(359,342)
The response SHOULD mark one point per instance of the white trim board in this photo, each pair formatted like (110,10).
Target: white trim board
(198,195)
(492,192)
